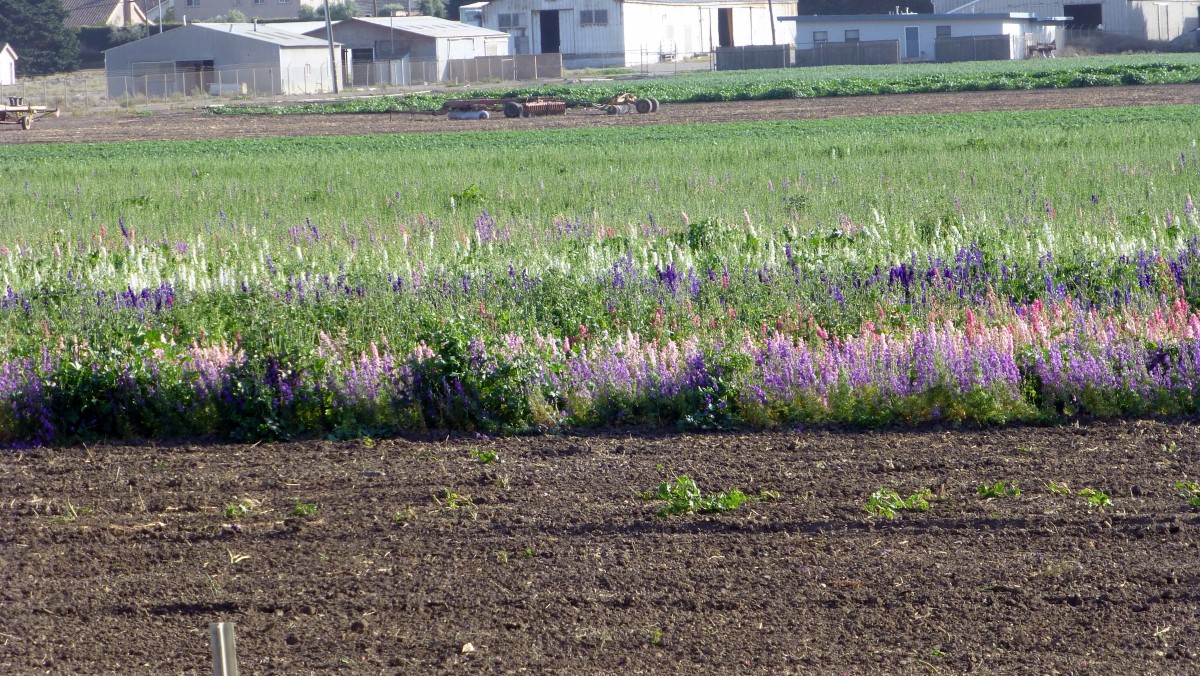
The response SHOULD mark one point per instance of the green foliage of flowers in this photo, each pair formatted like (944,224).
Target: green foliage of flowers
(985,268)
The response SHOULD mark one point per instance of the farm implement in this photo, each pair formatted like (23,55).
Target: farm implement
(16,111)
(537,106)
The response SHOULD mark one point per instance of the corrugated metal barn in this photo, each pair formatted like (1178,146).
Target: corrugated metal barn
(1144,19)
(425,43)
(221,58)
(590,33)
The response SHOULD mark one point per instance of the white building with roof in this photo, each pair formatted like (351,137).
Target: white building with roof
(591,33)
(8,65)
(930,37)
(424,42)
(1144,19)
(222,58)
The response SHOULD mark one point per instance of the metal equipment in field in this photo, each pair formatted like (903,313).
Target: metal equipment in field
(537,106)
(525,106)
(16,111)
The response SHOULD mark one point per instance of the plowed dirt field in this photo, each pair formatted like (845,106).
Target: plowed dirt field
(421,558)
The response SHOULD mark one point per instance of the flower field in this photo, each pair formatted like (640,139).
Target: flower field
(985,267)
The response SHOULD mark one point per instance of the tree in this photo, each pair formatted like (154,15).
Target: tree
(338,11)
(433,8)
(36,30)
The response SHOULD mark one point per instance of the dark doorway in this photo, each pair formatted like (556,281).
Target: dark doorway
(195,75)
(725,27)
(1084,16)
(548,24)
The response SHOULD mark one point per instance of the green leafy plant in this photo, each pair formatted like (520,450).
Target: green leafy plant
(451,500)
(1096,498)
(303,509)
(683,496)
(1057,488)
(1000,489)
(1190,491)
(240,509)
(485,456)
(886,502)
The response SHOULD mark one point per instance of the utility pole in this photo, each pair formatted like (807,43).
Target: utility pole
(329,36)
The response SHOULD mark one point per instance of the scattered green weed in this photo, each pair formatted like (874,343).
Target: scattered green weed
(886,502)
(1096,498)
(1190,491)
(485,456)
(303,509)
(1057,488)
(451,500)
(683,496)
(240,509)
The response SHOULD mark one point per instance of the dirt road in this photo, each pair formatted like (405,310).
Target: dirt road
(200,125)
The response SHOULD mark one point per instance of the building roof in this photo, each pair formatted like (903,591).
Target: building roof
(82,13)
(301,27)
(265,33)
(431,26)
(7,49)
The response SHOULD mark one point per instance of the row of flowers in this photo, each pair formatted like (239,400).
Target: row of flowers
(1034,362)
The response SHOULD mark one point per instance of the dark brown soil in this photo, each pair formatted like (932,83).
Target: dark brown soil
(114,559)
(200,125)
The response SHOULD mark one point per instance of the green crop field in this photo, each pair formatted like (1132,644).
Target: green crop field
(792,83)
(982,267)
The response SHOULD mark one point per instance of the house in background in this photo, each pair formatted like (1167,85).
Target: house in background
(591,33)
(84,13)
(408,49)
(898,38)
(205,10)
(222,58)
(1143,19)
(8,65)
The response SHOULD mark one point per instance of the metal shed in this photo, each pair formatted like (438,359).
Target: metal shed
(221,58)
(425,46)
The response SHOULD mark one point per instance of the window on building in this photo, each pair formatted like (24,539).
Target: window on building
(852,35)
(260,2)
(943,32)
(593,17)
(508,20)
(285,2)
(820,36)
(192,3)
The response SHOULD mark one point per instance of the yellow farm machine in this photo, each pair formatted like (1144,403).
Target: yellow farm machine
(16,111)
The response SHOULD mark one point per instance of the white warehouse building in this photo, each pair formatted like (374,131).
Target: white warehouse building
(935,37)
(591,33)
(222,57)
(1144,19)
